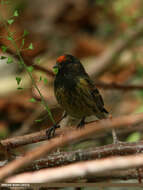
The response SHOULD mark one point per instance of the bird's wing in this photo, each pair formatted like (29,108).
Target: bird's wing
(92,92)
(98,99)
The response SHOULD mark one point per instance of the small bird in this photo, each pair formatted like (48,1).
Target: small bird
(75,92)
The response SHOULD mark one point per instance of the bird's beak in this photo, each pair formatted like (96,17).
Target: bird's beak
(55,69)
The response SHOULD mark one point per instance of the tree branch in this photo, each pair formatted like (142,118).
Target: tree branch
(47,147)
(41,136)
(82,169)
(64,158)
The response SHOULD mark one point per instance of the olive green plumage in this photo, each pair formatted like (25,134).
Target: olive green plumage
(75,91)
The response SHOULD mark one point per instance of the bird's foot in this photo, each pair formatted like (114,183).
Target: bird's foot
(51,131)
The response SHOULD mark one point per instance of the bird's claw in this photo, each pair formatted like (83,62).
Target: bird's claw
(51,131)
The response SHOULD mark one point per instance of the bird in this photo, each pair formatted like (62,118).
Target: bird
(76,92)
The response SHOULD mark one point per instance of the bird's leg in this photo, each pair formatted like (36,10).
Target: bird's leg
(82,123)
(50,132)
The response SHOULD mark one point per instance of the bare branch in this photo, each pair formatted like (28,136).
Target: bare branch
(47,147)
(118,122)
(81,169)
(23,140)
(109,175)
(64,158)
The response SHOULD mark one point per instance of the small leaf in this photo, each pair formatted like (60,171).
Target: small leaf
(25,33)
(30,68)
(3,57)
(18,79)
(55,70)
(32,100)
(16,13)
(45,81)
(40,78)
(38,120)
(4,48)
(19,88)
(10,38)
(134,137)
(31,46)
(9,60)
(10,21)
(22,43)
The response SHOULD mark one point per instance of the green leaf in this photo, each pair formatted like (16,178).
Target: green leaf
(10,38)
(18,79)
(9,60)
(55,70)
(23,42)
(31,46)
(134,137)
(38,120)
(25,33)
(30,68)
(40,78)
(4,48)
(3,57)
(19,88)
(10,21)
(32,100)
(16,13)
(45,80)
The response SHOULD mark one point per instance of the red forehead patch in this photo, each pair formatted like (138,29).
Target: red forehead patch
(61,58)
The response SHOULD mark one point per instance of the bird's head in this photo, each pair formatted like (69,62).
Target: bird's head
(67,64)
